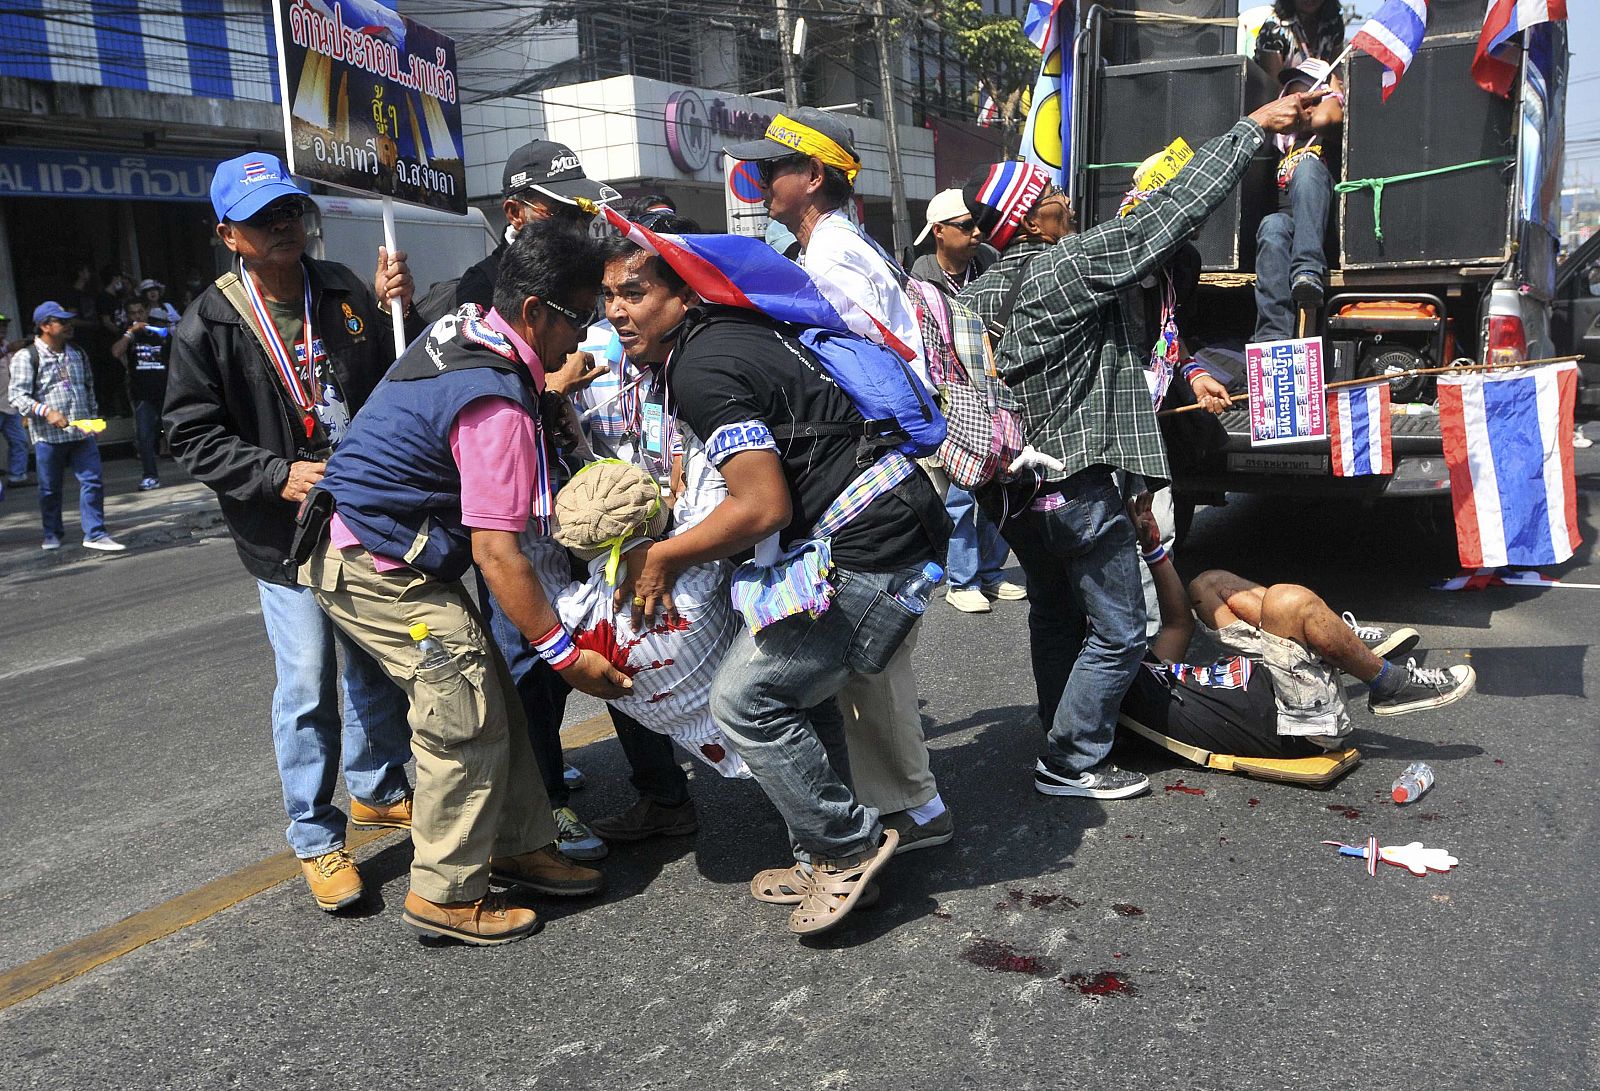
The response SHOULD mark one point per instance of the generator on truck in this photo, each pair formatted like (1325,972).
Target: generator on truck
(1442,242)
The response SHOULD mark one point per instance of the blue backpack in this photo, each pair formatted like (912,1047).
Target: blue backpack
(882,387)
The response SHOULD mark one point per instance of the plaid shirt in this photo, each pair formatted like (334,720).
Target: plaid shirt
(62,383)
(985,296)
(1077,347)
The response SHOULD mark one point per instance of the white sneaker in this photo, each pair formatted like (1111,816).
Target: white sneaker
(106,544)
(1006,591)
(969,600)
(1580,440)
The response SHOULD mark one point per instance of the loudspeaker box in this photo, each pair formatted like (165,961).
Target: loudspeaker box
(1135,41)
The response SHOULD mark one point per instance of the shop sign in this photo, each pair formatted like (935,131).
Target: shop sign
(696,130)
(42,172)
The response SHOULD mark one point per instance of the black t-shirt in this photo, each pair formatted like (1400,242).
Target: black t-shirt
(1226,707)
(735,379)
(147,365)
(477,284)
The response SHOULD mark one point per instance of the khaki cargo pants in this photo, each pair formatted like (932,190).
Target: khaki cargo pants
(479,792)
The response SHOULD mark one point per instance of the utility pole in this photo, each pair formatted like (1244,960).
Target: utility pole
(791,80)
(897,182)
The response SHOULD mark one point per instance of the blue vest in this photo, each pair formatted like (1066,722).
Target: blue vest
(394,480)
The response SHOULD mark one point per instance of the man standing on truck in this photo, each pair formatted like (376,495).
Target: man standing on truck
(1291,264)
(1075,352)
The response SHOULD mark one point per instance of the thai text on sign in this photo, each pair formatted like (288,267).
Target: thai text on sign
(1287,400)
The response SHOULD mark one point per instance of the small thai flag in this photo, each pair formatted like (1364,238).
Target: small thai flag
(1358,431)
(1038,23)
(254,172)
(1508,446)
(1392,36)
(1494,65)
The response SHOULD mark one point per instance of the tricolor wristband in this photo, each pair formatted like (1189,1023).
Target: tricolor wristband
(1191,369)
(557,649)
(1156,556)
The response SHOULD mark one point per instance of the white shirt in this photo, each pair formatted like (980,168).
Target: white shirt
(854,276)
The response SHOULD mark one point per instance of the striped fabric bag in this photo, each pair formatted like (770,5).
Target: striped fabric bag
(800,581)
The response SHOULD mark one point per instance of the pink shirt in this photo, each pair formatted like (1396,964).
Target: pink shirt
(495,444)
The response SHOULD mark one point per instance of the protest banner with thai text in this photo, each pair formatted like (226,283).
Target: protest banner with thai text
(1287,402)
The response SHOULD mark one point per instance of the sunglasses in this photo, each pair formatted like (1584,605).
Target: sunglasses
(580,322)
(768,169)
(580,212)
(290,208)
(966,226)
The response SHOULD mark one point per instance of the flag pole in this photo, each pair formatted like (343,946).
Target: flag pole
(395,311)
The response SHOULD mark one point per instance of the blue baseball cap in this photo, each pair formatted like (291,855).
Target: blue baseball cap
(49,309)
(245,185)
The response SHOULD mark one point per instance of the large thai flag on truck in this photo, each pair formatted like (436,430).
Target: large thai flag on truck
(1494,65)
(1508,446)
(1392,36)
(1358,430)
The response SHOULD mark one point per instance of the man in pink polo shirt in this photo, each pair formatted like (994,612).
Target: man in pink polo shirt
(446,467)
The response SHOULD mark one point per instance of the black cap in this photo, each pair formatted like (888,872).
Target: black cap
(820,120)
(553,170)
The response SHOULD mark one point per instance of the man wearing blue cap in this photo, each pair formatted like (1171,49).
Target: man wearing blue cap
(50,386)
(266,370)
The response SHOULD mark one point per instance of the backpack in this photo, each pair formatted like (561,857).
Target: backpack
(882,387)
(984,431)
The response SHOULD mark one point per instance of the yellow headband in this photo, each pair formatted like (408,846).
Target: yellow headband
(806,140)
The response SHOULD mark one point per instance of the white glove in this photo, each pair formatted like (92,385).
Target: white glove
(1037,460)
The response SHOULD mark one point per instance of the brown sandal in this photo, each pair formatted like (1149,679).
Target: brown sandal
(787,886)
(834,892)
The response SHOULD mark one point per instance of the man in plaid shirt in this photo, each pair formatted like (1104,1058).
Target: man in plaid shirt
(1075,351)
(50,386)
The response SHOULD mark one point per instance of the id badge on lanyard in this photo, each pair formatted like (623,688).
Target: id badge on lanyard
(654,426)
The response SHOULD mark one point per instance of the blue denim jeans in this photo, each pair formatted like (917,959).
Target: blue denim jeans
(772,698)
(373,743)
(83,455)
(977,555)
(1290,243)
(540,689)
(1086,616)
(147,433)
(16,436)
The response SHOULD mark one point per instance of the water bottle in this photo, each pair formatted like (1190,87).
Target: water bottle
(1412,782)
(915,592)
(433,653)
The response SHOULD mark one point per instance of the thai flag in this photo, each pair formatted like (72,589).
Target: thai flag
(1039,21)
(254,172)
(1508,446)
(743,271)
(1358,431)
(1494,65)
(1392,36)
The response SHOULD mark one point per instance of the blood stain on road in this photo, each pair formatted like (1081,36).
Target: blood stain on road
(1104,983)
(1125,910)
(1254,802)
(1344,809)
(1184,788)
(998,956)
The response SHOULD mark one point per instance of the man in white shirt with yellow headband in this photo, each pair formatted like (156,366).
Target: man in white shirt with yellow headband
(807,165)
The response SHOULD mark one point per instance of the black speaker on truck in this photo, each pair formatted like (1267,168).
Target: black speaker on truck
(1455,17)
(1436,118)
(1141,108)
(1133,41)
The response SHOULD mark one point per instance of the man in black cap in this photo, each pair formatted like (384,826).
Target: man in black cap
(543,180)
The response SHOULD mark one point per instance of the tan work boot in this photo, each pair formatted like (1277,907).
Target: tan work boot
(333,879)
(483,923)
(394,816)
(548,872)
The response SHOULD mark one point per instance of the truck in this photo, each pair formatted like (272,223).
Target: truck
(1444,248)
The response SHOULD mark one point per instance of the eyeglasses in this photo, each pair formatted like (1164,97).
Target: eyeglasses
(580,322)
(290,208)
(581,211)
(966,226)
(768,169)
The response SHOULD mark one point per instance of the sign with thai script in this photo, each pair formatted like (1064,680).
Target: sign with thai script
(54,172)
(370,102)
(1287,402)
(695,130)
(747,215)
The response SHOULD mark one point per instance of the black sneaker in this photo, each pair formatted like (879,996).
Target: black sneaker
(1383,642)
(1104,781)
(920,835)
(1307,291)
(1425,687)
(647,819)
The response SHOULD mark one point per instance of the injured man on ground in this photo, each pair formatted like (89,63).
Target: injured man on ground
(1273,704)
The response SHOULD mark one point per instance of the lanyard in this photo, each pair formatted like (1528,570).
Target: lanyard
(1164,354)
(300,388)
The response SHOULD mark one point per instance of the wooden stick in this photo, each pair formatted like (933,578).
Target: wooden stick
(1369,380)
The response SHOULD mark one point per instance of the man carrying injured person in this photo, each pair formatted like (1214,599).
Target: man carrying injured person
(1277,691)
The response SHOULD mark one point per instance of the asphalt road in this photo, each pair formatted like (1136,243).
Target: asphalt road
(135,765)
